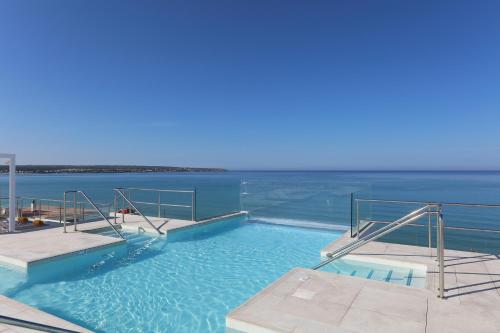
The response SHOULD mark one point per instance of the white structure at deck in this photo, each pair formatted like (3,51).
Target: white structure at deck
(11,161)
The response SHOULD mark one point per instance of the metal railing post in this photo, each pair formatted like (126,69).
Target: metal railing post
(123,204)
(159,204)
(351,208)
(429,230)
(82,208)
(357,219)
(441,275)
(193,206)
(74,211)
(115,207)
(438,253)
(64,212)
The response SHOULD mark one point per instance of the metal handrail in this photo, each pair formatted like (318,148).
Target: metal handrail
(75,192)
(32,325)
(159,204)
(409,215)
(441,204)
(440,227)
(406,202)
(159,190)
(53,200)
(344,250)
(497,231)
(120,192)
(451,204)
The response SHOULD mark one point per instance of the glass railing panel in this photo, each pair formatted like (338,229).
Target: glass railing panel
(299,199)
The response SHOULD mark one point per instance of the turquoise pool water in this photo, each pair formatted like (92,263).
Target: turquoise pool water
(186,282)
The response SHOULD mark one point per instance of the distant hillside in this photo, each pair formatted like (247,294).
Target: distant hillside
(105,169)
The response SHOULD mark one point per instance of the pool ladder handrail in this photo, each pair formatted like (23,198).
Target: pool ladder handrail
(346,249)
(92,203)
(121,192)
(33,326)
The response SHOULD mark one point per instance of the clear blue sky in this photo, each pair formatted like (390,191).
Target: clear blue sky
(252,84)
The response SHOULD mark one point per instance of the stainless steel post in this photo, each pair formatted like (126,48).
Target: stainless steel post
(64,212)
(115,206)
(123,205)
(74,211)
(357,219)
(441,264)
(159,204)
(440,252)
(193,206)
(82,206)
(430,231)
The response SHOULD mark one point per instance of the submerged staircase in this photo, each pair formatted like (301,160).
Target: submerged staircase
(385,273)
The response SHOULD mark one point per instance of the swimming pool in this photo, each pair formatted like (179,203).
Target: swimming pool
(186,282)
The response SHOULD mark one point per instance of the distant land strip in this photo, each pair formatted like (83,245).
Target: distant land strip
(105,169)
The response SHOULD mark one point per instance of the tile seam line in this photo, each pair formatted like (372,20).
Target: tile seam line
(426,316)
(490,274)
(350,306)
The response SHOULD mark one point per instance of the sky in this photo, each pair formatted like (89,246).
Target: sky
(275,85)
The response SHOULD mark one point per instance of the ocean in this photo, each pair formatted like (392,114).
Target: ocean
(305,198)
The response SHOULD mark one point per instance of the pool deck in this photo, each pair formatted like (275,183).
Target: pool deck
(17,310)
(27,248)
(305,300)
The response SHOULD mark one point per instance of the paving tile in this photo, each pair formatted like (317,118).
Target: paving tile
(311,326)
(444,317)
(328,313)
(360,320)
(395,302)
(270,319)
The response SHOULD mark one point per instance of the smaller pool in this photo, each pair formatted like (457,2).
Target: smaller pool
(394,272)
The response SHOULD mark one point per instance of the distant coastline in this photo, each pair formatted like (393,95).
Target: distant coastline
(30,169)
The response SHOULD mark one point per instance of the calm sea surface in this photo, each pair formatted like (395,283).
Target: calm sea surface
(302,198)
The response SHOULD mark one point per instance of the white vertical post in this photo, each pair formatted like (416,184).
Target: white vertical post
(12,193)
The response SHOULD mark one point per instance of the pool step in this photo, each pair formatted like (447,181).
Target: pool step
(133,239)
(390,276)
(138,240)
(108,232)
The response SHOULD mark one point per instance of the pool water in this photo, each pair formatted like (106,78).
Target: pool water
(186,282)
